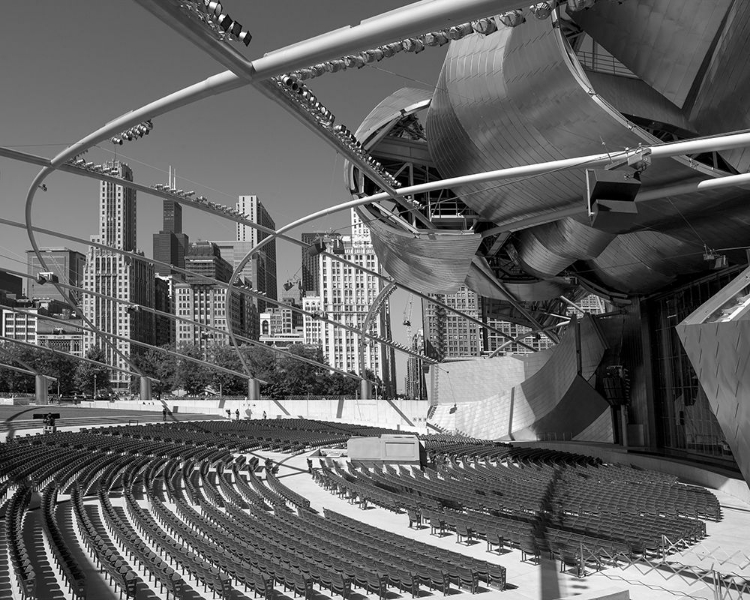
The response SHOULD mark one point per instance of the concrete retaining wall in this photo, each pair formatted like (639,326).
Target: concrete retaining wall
(406,415)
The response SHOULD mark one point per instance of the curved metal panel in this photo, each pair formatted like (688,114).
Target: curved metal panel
(718,351)
(434,262)
(634,97)
(517,408)
(643,261)
(720,103)
(486,285)
(390,108)
(498,92)
(545,250)
(664,42)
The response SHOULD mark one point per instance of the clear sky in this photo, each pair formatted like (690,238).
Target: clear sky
(70,66)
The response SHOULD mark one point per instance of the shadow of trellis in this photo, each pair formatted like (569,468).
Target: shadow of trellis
(725,586)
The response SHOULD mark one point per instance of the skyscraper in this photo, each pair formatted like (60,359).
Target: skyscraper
(260,271)
(447,335)
(205,303)
(310,282)
(346,295)
(119,276)
(171,244)
(67,264)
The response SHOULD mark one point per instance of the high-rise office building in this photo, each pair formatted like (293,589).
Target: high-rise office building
(67,264)
(415,382)
(205,303)
(448,335)
(171,244)
(310,282)
(346,295)
(119,276)
(11,289)
(260,270)
(204,259)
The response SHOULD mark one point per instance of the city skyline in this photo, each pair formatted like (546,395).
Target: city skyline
(237,143)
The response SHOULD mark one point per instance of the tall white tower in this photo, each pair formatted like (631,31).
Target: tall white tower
(346,294)
(118,276)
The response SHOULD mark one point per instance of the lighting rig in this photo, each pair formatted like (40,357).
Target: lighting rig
(133,133)
(212,15)
(301,94)
(484,26)
(416,45)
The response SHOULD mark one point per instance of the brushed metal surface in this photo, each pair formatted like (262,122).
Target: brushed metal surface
(720,104)
(390,108)
(719,354)
(510,99)
(516,408)
(484,283)
(635,97)
(664,42)
(436,262)
(545,250)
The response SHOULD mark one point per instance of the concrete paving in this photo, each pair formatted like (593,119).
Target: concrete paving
(530,580)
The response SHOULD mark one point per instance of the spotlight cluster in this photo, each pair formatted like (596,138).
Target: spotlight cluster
(416,45)
(347,137)
(81,163)
(188,196)
(220,23)
(133,133)
(484,26)
(301,94)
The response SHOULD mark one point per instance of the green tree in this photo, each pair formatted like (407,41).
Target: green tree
(296,378)
(91,378)
(159,365)
(191,376)
(12,381)
(230,385)
(61,366)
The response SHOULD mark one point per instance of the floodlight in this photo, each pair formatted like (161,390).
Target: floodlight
(436,38)
(215,8)
(459,31)
(224,21)
(512,18)
(485,26)
(245,37)
(354,61)
(541,10)
(236,29)
(415,45)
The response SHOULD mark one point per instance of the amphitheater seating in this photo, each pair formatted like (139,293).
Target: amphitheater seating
(182,480)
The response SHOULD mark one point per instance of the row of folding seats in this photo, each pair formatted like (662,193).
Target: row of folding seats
(137,548)
(298,500)
(102,550)
(22,569)
(62,556)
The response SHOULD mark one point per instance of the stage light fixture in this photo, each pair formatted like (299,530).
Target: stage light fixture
(484,26)
(245,37)
(436,38)
(459,31)
(116,140)
(415,45)
(541,10)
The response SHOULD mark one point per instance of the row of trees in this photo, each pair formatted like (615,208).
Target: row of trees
(283,376)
